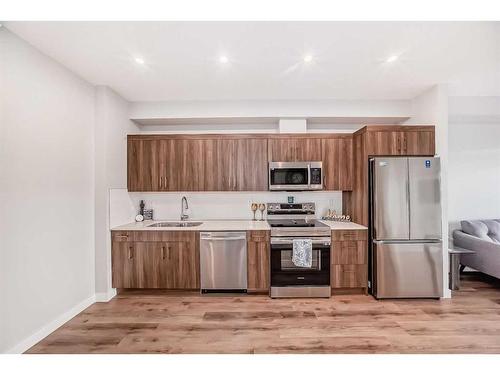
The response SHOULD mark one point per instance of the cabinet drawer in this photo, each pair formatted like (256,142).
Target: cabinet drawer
(349,252)
(258,235)
(349,275)
(122,236)
(154,236)
(349,235)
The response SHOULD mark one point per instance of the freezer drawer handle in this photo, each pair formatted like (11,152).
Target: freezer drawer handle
(388,242)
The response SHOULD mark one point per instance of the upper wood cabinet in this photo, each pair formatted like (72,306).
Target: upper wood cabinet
(294,149)
(337,156)
(403,142)
(143,165)
(187,163)
(239,162)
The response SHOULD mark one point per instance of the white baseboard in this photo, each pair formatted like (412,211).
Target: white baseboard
(51,327)
(105,297)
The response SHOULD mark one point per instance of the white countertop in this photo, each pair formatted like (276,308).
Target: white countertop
(208,225)
(228,225)
(343,225)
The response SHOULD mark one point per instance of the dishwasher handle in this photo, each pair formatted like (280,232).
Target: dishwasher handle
(223,236)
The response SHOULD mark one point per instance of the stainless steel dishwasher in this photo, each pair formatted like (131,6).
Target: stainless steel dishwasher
(223,261)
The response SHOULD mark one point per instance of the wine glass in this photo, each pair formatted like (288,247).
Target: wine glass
(262,207)
(254,207)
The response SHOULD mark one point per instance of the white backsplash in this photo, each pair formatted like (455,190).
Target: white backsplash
(211,205)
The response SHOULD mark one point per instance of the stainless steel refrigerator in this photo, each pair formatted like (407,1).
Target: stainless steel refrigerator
(406,255)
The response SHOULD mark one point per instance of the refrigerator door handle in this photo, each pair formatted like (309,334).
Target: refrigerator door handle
(405,241)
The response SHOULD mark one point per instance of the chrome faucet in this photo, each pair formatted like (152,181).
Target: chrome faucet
(184,206)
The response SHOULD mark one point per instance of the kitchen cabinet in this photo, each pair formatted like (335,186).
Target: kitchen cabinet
(153,259)
(406,143)
(419,143)
(379,140)
(258,261)
(294,149)
(197,163)
(349,261)
(143,165)
(337,163)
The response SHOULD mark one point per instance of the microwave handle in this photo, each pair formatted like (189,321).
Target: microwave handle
(309,176)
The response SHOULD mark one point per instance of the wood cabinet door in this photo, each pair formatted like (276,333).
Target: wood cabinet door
(227,164)
(143,165)
(337,163)
(349,252)
(258,259)
(168,165)
(135,265)
(385,143)
(123,265)
(179,264)
(419,143)
(189,163)
(349,275)
(294,149)
(146,258)
(251,166)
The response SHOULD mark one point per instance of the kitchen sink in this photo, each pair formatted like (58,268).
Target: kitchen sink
(171,224)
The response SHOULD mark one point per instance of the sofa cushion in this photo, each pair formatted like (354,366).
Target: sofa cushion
(476,228)
(493,229)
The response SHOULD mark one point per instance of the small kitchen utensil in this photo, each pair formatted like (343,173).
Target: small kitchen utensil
(148,214)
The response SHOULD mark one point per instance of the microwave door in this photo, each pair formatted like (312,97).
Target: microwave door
(288,177)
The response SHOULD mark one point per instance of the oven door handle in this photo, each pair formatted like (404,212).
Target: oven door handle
(289,241)
(308,176)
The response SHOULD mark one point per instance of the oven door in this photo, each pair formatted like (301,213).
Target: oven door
(285,273)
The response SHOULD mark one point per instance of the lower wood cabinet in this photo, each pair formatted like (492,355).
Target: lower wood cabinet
(155,260)
(349,260)
(258,261)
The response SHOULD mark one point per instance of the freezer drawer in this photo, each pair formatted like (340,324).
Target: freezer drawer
(223,261)
(408,270)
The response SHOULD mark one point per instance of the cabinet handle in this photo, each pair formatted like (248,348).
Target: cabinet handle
(163,252)
(130,255)
(121,236)
(405,145)
(399,144)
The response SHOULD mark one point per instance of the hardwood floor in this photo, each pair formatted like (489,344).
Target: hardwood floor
(159,323)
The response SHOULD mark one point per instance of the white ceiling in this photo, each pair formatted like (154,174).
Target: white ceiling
(266,58)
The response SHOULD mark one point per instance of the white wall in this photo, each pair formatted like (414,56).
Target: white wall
(474,160)
(112,126)
(270,108)
(47,193)
(431,107)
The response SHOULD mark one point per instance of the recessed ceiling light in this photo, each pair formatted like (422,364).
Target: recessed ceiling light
(308,58)
(139,60)
(392,58)
(223,59)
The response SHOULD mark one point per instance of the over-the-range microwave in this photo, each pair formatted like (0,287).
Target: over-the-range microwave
(307,175)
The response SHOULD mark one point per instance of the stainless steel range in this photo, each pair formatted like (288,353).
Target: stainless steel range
(289,222)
